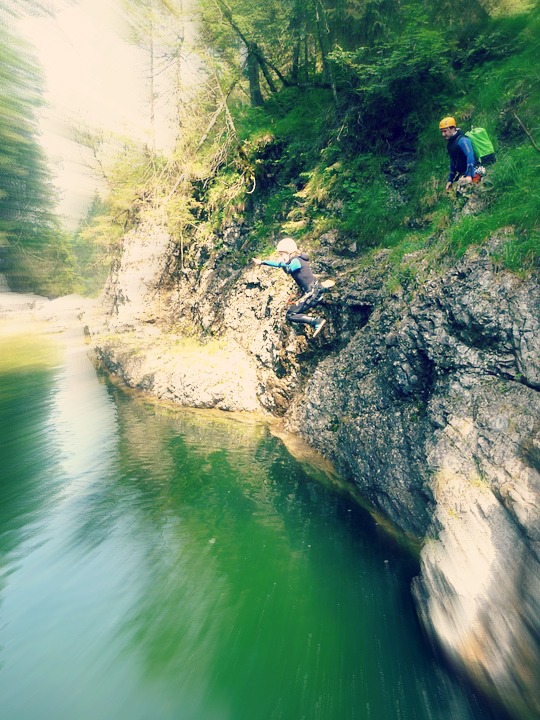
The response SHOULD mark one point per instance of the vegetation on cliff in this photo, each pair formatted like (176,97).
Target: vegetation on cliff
(322,117)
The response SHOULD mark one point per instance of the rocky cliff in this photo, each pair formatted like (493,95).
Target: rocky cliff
(426,399)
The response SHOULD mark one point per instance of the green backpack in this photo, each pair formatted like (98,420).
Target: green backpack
(482,145)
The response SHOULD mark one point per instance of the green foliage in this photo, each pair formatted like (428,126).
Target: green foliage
(399,75)
(317,173)
(38,253)
(371,167)
(500,90)
(355,199)
(50,272)
(514,207)
(471,230)
(517,180)
(137,183)
(91,244)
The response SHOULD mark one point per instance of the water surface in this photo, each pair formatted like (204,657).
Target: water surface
(166,565)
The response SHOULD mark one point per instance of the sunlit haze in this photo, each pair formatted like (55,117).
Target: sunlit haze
(94,78)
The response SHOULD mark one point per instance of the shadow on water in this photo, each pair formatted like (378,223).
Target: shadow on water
(187,566)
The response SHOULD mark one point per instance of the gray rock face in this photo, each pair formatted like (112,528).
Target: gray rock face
(479,589)
(433,411)
(145,335)
(428,403)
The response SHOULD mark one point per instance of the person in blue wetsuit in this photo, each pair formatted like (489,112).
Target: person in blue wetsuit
(460,150)
(296,264)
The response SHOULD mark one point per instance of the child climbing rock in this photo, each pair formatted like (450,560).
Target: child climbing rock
(296,264)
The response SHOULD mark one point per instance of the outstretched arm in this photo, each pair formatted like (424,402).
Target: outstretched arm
(270,263)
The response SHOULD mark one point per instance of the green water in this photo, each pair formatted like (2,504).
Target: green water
(162,565)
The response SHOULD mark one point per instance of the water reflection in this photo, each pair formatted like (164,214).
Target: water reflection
(171,565)
(29,477)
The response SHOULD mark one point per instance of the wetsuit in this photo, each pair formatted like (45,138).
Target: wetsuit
(312,292)
(462,159)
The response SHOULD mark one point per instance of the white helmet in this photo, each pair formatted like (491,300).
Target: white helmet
(287,245)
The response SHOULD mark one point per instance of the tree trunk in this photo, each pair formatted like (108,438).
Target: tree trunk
(255,56)
(152,89)
(295,68)
(252,67)
(321,32)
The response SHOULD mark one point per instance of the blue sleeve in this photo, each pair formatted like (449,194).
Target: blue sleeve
(466,145)
(293,265)
(273,263)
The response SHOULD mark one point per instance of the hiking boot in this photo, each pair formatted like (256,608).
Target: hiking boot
(318,327)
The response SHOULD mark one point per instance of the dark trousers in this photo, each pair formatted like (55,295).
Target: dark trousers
(296,311)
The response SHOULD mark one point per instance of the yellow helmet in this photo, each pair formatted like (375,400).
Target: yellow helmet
(287,245)
(447,122)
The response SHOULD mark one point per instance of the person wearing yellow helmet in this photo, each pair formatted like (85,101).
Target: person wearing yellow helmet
(296,264)
(460,151)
